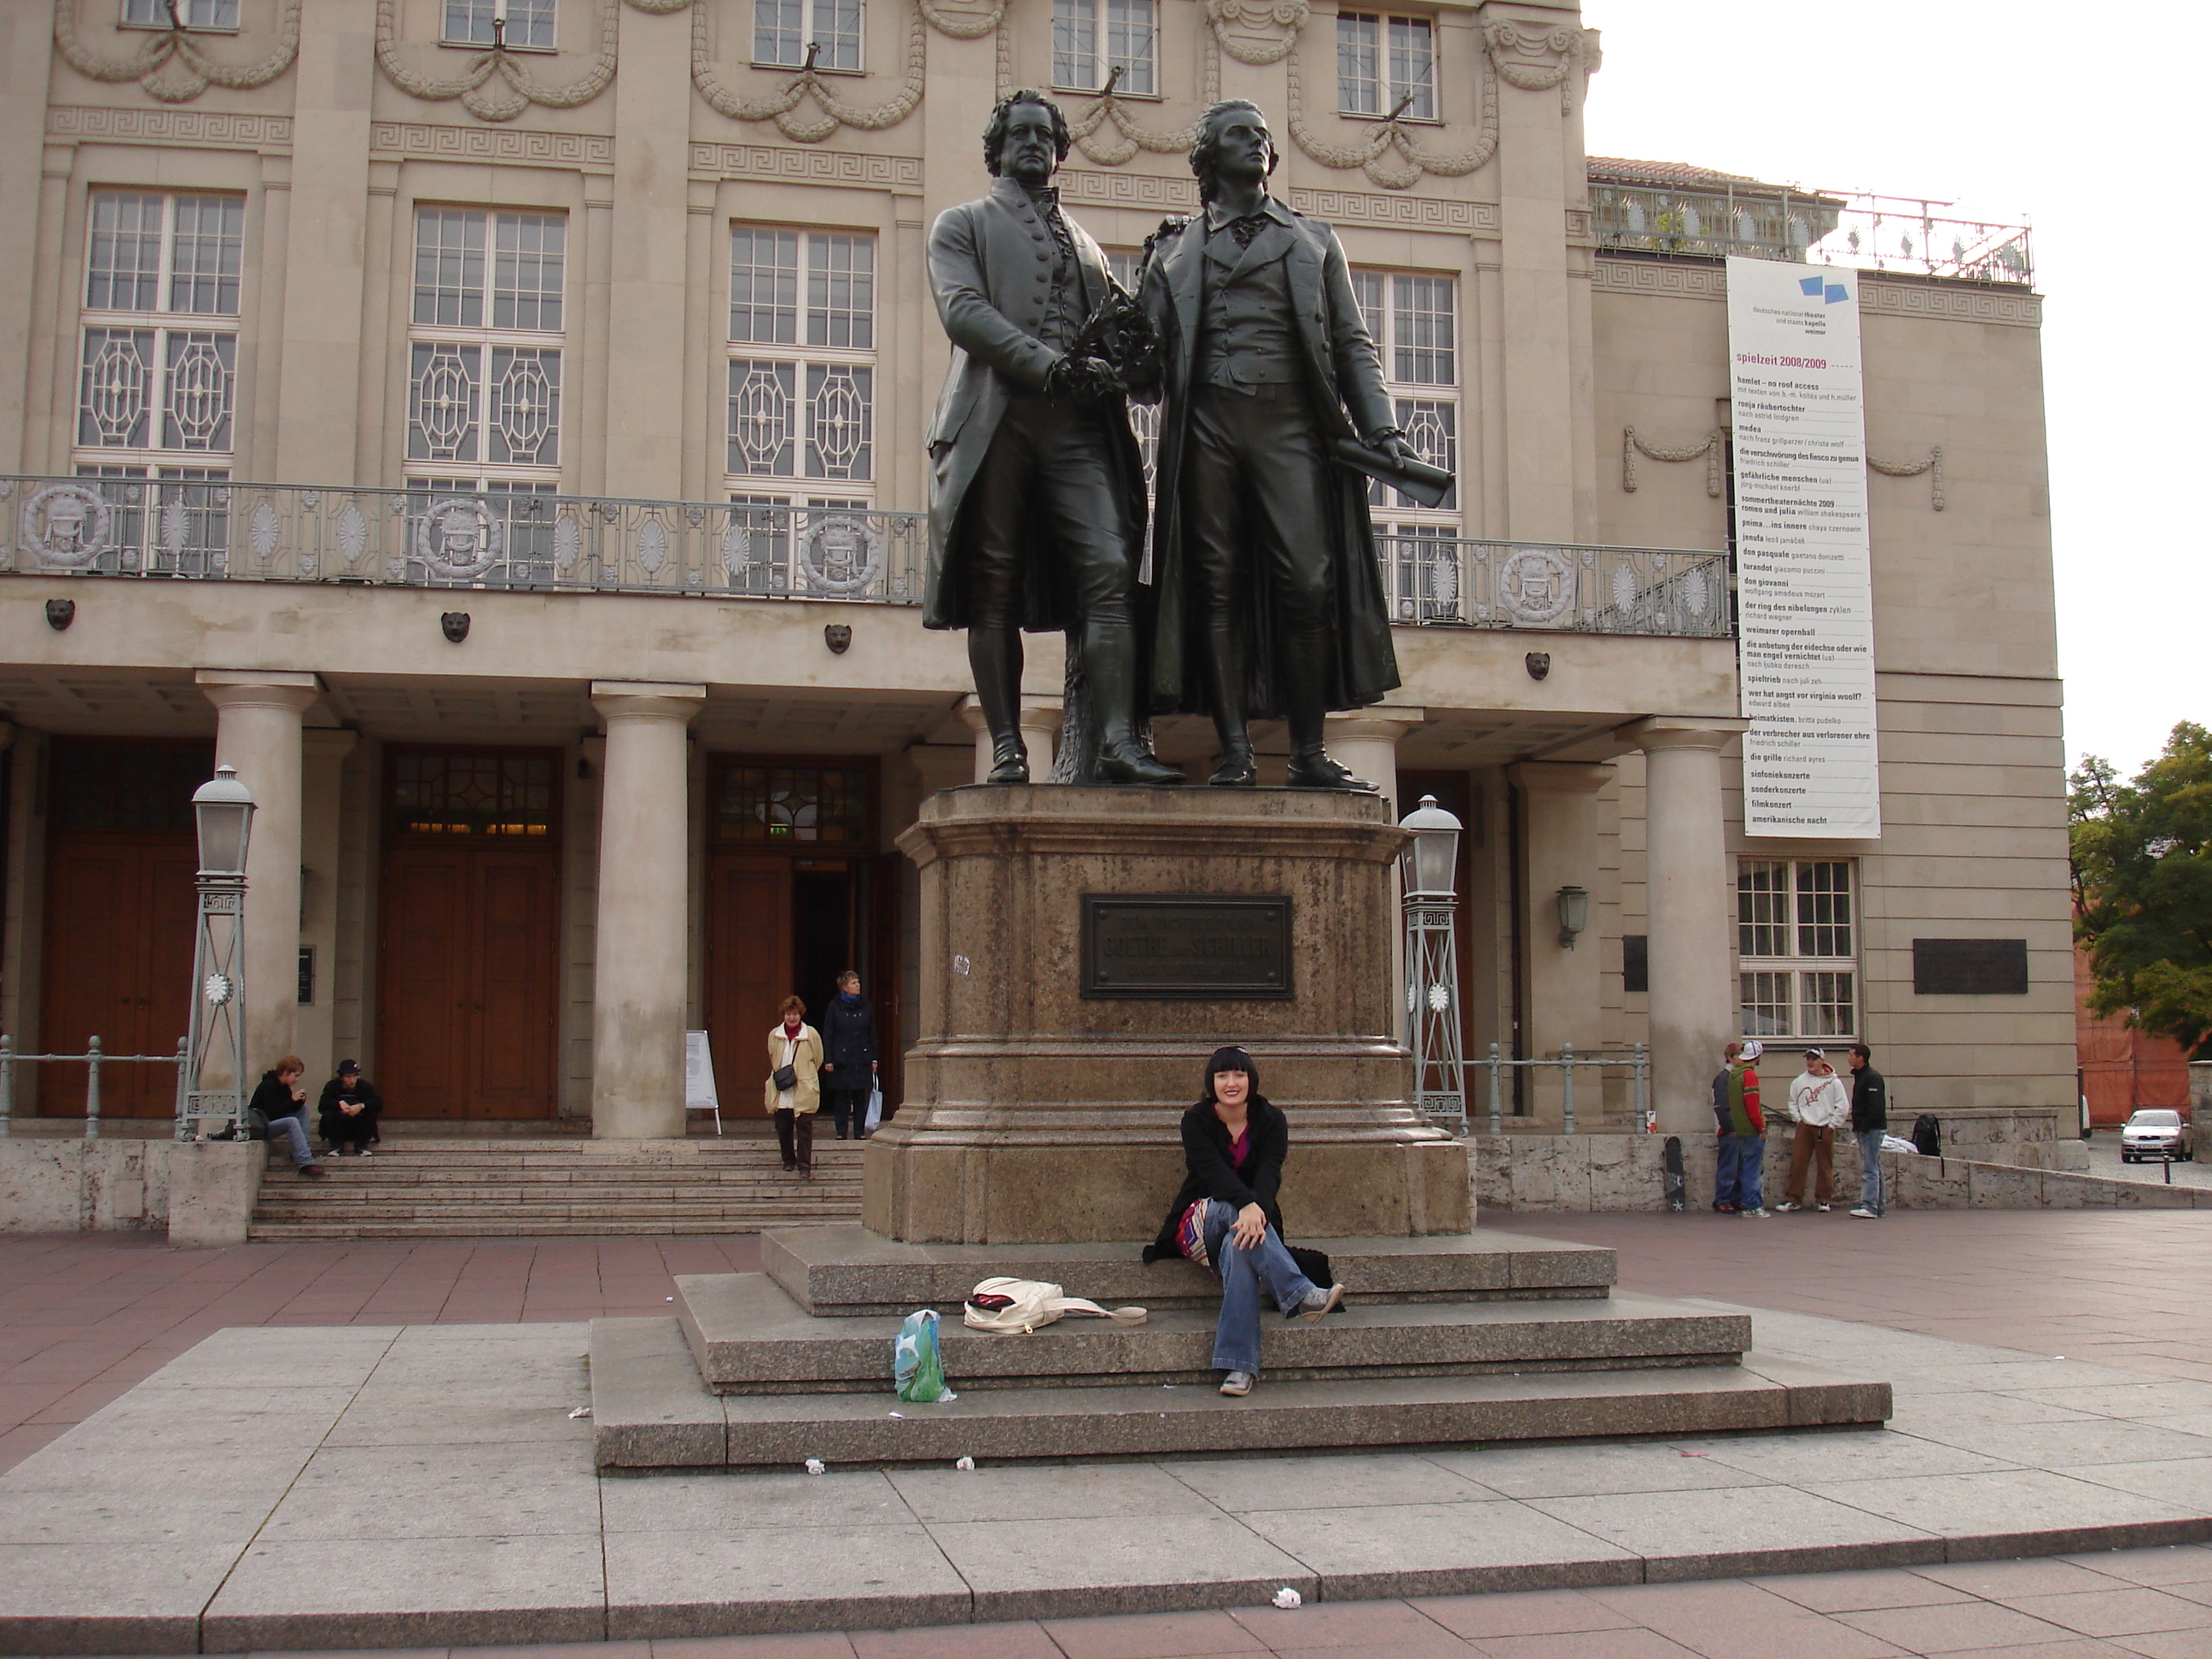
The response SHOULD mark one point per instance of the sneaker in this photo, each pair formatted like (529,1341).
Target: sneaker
(1786,1207)
(1823,1208)
(363,1152)
(1865,1215)
(1759,1214)
(1237,1384)
(1319,1301)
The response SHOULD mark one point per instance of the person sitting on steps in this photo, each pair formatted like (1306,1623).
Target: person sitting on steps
(283,1109)
(1225,1216)
(348,1111)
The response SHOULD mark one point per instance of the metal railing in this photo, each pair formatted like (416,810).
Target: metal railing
(1437,580)
(1905,234)
(183,529)
(435,537)
(1637,1060)
(92,1059)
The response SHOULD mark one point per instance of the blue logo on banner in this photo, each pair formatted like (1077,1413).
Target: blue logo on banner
(1819,287)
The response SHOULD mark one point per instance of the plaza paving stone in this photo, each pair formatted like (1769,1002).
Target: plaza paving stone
(429,1419)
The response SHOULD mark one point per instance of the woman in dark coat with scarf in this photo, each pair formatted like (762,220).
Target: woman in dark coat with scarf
(1226,1217)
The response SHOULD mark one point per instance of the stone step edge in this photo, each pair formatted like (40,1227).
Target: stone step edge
(278,1232)
(651,1410)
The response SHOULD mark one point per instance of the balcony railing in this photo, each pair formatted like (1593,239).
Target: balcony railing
(1456,582)
(184,529)
(1868,233)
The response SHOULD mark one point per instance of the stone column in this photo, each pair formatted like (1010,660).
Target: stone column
(1559,816)
(639,955)
(1690,895)
(1040,726)
(1364,741)
(258,731)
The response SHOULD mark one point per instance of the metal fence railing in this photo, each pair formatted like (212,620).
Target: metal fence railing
(1637,1062)
(92,1059)
(1468,583)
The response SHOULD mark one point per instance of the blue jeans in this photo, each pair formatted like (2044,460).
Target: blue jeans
(1870,1193)
(1736,1179)
(294,1129)
(1237,1337)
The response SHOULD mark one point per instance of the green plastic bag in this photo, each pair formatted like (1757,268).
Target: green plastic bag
(916,1365)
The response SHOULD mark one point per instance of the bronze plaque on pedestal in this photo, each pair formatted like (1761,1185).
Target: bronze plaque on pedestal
(1188,946)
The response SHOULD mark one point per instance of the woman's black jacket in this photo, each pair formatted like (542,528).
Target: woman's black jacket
(849,1043)
(1255,1179)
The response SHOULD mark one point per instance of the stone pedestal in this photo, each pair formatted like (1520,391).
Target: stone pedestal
(1035,1114)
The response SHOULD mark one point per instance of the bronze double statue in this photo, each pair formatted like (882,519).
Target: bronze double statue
(1265,599)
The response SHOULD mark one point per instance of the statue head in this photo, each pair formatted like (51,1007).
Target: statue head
(1029,134)
(1233,141)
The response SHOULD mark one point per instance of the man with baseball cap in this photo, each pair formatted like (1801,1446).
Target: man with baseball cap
(348,1110)
(1819,1106)
(1743,1133)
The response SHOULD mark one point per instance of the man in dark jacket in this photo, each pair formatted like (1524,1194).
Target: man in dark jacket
(1742,1126)
(1870,1123)
(1269,595)
(848,1054)
(1036,504)
(348,1111)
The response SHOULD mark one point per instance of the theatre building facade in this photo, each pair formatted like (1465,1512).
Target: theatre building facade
(495,428)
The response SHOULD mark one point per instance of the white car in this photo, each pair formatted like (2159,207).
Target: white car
(2158,1133)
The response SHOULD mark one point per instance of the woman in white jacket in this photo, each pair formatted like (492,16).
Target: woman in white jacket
(1821,1105)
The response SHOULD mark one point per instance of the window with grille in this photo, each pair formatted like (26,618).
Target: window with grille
(475,23)
(167,520)
(1796,948)
(480,531)
(791,805)
(802,363)
(158,359)
(1382,61)
(456,793)
(783,29)
(1413,319)
(191,13)
(1091,38)
(484,344)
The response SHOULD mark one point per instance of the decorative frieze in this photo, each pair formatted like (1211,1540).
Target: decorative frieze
(204,128)
(1680,282)
(1145,191)
(1355,207)
(762,163)
(390,141)
(1967,303)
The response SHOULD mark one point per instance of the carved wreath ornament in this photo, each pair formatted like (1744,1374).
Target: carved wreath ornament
(175,65)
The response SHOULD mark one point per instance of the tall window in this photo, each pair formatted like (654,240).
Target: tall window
(158,365)
(783,29)
(1414,321)
(1091,38)
(1381,60)
(192,14)
(802,366)
(484,392)
(473,23)
(1797,966)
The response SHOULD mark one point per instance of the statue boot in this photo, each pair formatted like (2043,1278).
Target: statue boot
(1310,765)
(1234,768)
(1109,663)
(994,657)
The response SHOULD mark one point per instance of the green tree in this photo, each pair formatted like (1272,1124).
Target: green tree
(2143,887)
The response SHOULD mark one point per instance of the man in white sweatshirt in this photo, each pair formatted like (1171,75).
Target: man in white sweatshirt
(1820,1105)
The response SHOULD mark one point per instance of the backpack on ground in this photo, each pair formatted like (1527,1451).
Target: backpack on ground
(1008,1306)
(1928,1135)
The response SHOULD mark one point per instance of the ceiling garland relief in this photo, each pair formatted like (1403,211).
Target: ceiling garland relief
(1712,449)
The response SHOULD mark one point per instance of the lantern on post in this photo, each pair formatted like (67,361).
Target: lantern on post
(1429,868)
(214,1043)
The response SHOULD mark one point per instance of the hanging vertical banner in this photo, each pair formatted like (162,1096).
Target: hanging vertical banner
(1804,578)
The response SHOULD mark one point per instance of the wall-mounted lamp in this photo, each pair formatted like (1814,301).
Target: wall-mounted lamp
(1574,914)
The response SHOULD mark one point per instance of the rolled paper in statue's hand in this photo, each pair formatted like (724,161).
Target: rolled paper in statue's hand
(1426,484)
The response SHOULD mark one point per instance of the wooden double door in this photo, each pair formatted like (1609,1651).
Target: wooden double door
(468,939)
(121,908)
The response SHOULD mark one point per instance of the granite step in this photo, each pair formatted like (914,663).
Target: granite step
(748,1336)
(849,1271)
(650,1409)
(520,1227)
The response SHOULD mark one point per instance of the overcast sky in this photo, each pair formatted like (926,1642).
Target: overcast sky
(2090,122)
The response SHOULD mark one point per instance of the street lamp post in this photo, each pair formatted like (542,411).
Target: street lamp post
(223,810)
(1429,865)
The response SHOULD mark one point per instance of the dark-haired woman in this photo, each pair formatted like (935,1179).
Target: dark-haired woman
(794,1048)
(1225,1218)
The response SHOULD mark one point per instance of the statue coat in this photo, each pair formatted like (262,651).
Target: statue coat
(1341,371)
(987,262)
